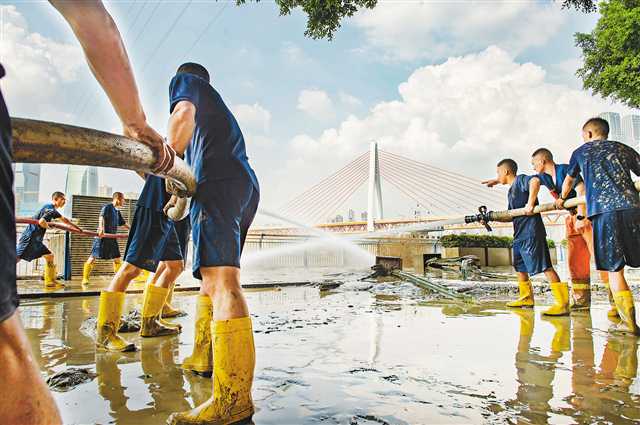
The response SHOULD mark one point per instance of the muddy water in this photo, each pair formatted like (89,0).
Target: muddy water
(361,355)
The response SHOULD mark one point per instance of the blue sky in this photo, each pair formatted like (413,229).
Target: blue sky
(309,106)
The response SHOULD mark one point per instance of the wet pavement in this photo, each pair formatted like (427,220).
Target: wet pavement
(365,353)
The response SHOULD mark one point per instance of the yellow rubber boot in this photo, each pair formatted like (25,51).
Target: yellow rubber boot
(560,307)
(163,322)
(627,312)
(142,277)
(580,295)
(613,311)
(151,307)
(51,275)
(109,312)
(561,341)
(86,272)
(168,310)
(526,295)
(235,357)
(117,263)
(201,360)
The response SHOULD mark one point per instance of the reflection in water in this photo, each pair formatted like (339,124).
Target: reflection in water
(362,357)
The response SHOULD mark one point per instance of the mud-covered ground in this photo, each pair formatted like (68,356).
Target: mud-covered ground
(364,353)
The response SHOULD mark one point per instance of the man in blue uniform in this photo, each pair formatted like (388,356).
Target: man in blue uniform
(152,239)
(31,244)
(578,230)
(106,248)
(530,250)
(222,209)
(613,206)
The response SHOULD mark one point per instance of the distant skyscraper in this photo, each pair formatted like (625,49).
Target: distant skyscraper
(615,127)
(105,190)
(81,180)
(27,188)
(351,215)
(631,130)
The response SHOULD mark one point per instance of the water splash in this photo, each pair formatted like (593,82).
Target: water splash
(319,241)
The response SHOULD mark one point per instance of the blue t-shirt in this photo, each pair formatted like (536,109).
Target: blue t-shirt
(606,166)
(154,194)
(48,212)
(527,226)
(217,149)
(112,218)
(555,187)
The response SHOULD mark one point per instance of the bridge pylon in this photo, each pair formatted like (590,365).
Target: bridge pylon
(374,204)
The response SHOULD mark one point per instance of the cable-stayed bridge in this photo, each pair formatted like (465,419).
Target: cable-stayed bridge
(443,193)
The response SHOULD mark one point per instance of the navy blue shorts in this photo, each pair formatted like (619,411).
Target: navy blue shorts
(183,229)
(8,290)
(220,218)
(616,239)
(31,248)
(152,238)
(105,248)
(531,255)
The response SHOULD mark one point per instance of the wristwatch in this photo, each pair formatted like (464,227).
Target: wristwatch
(580,217)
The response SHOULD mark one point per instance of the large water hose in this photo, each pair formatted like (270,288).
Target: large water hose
(37,141)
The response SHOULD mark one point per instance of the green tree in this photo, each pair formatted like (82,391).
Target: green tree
(324,16)
(611,52)
(586,6)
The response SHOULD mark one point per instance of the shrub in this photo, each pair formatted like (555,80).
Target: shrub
(481,241)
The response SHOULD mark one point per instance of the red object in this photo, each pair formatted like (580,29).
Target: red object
(67,228)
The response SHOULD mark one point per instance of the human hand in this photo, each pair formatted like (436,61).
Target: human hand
(43,223)
(165,155)
(580,224)
(490,182)
(559,203)
(101,233)
(528,209)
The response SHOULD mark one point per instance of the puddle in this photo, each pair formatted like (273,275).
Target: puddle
(362,353)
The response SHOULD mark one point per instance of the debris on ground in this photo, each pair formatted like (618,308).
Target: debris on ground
(129,322)
(69,379)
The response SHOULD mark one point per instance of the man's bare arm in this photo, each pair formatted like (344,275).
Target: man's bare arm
(567,185)
(580,190)
(534,189)
(107,57)
(182,123)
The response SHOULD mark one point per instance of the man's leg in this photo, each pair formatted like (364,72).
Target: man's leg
(560,291)
(525,299)
(624,303)
(86,269)
(154,299)
(233,351)
(50,271)
(200,361)
(26,399)
(111,305)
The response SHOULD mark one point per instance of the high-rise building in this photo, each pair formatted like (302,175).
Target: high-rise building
(81,180)
(27,188)
(104,190)
(631,130)
(351,215)
(615,126)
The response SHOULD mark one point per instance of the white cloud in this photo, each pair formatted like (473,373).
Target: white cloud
(349,100)
(462,115)
(253,118)
(316,103)
(37,68)
(435,30)
(293,54)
